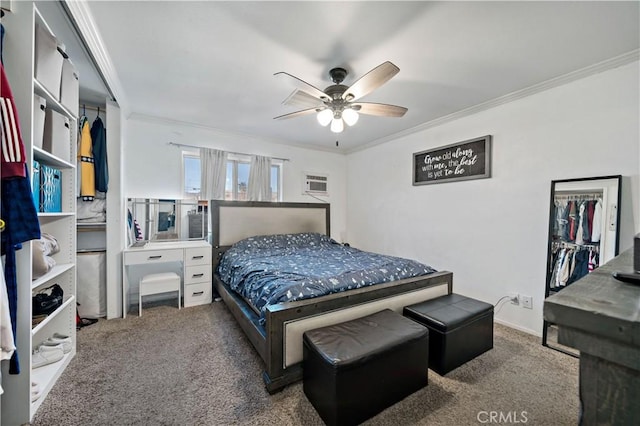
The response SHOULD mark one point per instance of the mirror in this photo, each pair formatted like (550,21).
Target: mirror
(584,233)
(152,219)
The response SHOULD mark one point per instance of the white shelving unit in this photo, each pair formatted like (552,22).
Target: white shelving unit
(19,62)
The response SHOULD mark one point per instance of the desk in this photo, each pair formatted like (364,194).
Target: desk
(195,259)
(600,316)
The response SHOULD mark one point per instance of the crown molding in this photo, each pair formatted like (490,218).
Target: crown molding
(83,19)
(615,62)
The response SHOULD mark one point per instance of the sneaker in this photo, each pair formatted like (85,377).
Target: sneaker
(60,339)
(45,355)
(35,391)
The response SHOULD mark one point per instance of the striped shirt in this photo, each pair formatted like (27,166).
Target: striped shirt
(12,152)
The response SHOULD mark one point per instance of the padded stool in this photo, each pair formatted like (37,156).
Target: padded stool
(158,283)
(354,370)
(460,329)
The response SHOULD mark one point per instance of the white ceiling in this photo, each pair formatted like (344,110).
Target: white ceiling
(212,63)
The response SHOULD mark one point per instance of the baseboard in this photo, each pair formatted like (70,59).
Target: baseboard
(517,327)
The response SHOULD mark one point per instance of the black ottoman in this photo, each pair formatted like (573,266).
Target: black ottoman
(354,370)
(460,329)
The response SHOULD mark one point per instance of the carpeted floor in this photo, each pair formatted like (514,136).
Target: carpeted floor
(195,367)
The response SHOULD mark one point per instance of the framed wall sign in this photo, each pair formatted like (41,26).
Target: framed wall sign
(470,159)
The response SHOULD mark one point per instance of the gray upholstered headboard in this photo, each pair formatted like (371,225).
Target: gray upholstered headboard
(232,221)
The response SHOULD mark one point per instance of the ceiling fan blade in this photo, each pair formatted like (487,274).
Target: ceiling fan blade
(302,99)
(296,114)
(304,86)
(383,110)
(371,81)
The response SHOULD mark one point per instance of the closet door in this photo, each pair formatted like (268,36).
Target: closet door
(584,232)
(116,212)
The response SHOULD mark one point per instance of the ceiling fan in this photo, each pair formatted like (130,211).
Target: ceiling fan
(337,104)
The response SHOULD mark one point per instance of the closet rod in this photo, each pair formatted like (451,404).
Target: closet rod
(93,108)
(230,152)
(585,196)
(84,107)
(578,192)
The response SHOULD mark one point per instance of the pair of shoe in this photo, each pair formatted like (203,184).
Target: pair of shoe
(60,339)
(35,391)
(52,350)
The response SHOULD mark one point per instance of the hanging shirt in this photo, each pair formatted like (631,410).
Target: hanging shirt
(563,275)
(7,345)
(580,231)
(13,157)
(573,218)
(593,260)
(590,206)
(99,141)
(21,225)
(561,220)
(1,41)
(85,162)
(557,270)
(597,222)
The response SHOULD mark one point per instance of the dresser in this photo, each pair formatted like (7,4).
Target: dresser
(198,225)
(600,316)
(193,258)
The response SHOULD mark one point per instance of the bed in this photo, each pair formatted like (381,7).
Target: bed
(276,326)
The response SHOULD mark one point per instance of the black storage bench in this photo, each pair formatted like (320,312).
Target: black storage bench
(460,329)
(356,369)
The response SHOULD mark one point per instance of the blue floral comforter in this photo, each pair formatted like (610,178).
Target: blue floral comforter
(272,269)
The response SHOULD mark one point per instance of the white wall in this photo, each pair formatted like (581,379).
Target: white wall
(492,233)
(153,169)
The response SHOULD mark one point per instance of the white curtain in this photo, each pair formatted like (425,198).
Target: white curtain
(213,173)
(259,179)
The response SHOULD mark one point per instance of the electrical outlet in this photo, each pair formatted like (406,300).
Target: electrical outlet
(527,302)
(515,298)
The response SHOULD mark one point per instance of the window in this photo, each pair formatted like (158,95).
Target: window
(191,175)
(237,177)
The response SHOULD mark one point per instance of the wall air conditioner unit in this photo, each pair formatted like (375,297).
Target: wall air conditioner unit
(316,184)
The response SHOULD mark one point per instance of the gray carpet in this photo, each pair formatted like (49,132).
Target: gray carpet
(195,367)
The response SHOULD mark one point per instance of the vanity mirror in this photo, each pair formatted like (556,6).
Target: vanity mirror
(153,219)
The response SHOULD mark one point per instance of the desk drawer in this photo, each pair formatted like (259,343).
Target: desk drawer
(197,274)
(153,256)
(198,256)
(197,294)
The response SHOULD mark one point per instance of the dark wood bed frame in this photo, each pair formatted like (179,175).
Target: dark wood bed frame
(279,341)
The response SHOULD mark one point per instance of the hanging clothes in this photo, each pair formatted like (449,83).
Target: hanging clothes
(16,203)
(581,263)
(86,167)
(99,141)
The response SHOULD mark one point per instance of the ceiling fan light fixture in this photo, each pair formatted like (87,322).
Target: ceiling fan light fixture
(337,125)
(325,116)
(350,116)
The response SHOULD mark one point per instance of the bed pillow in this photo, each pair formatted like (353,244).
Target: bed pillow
(300,240)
